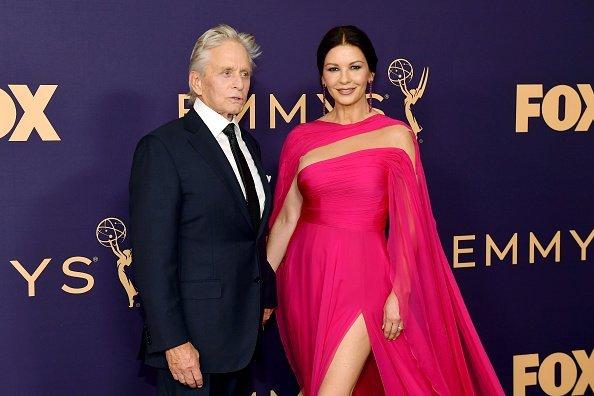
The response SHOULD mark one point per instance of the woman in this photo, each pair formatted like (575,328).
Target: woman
(358,311)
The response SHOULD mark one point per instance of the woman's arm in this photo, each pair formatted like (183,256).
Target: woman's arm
(393,325)
(283,226)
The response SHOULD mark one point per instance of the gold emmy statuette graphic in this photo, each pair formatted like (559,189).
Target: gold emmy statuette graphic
(110,232)
(399,72)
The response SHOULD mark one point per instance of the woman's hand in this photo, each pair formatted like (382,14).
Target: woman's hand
(266,317)
(392,325)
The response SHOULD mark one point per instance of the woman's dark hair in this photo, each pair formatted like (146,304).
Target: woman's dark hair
(350,35)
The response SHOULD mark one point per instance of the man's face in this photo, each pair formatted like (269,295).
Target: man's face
(226,80)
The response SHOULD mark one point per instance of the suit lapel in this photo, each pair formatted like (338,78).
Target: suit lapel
(207,146)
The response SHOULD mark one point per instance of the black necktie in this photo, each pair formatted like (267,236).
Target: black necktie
(246,176)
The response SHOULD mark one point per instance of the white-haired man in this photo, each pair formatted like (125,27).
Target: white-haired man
(199,203)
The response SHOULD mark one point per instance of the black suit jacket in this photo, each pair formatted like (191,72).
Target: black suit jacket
(199,264)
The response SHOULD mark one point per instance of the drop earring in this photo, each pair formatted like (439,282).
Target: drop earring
(370,95)
(323,100)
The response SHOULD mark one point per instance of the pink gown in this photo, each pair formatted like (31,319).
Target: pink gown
(339,265)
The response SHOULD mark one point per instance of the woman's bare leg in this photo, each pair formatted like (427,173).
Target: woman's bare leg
(348,362)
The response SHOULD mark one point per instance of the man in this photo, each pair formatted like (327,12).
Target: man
(199,203)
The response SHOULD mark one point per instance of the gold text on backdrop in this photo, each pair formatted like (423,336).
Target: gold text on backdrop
(464,245)
(556,374)
(274,108)
(34,118)
(561,107)
(31,277)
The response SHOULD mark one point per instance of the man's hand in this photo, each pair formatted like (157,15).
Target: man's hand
(267,313)
(184,365)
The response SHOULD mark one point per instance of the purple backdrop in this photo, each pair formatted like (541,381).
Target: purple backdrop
(119,68)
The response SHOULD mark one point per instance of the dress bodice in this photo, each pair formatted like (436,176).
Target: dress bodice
(348,191)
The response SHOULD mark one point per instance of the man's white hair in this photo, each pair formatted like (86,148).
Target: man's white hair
(213,38)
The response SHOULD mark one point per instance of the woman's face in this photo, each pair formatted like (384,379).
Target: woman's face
(346,74)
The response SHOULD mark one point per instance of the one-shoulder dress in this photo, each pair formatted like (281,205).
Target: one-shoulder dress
(366,229)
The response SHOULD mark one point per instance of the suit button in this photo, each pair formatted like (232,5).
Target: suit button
(258,279)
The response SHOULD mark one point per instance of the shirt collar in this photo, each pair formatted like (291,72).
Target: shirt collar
(213,120)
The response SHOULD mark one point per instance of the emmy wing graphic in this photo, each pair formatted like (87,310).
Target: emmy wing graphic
(110,232)
(399,72)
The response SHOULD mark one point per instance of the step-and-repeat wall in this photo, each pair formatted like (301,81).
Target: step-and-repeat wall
(503,94)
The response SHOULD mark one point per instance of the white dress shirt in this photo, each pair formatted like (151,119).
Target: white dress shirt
(216,123)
